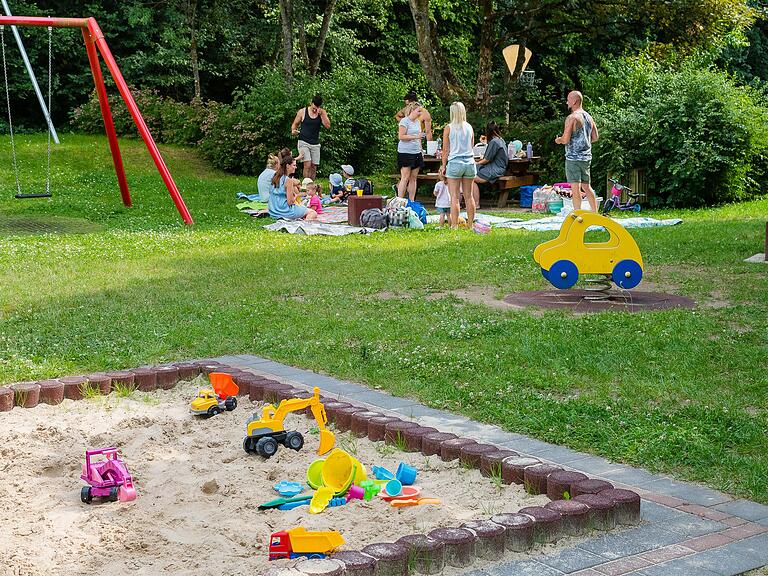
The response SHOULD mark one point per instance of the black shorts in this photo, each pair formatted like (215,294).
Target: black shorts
(405,160)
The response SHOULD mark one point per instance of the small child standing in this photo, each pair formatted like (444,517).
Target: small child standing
(442,198)
(315,190)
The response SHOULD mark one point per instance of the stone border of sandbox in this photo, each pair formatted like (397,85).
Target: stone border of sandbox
(686,529)
(577,504)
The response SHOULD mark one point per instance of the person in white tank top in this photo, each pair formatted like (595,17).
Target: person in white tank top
(459,162)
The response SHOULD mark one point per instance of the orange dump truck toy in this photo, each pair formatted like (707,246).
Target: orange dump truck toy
(222,395)
(297,542)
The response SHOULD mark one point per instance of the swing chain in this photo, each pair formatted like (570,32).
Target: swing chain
(10,120)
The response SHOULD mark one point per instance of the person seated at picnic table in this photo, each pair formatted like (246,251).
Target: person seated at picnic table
(494,163)
(282,195)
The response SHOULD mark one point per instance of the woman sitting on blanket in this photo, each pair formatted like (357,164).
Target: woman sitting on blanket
(282,196)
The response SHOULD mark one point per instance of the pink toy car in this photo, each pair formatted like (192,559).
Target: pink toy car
(108,477)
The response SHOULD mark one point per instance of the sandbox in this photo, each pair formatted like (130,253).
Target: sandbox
(198,491)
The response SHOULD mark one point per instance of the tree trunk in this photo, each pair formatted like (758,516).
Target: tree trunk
(195,67)
(485,58)
(299,14)
(436,68)
(318,55)
(193,54)
(286,19)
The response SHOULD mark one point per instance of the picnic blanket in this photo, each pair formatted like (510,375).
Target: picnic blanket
(556,222)
(490,218)
(330,215)
(333,215)
(315,228)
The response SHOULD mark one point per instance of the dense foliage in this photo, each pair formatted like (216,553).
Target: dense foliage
(699,138)
(230,76)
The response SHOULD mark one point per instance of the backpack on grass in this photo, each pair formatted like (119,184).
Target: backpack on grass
(419,209)
(373,218)
(365,185)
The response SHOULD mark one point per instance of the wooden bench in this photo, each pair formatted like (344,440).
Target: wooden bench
(503,185)
(506,183)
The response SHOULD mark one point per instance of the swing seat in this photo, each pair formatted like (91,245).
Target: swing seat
(43,195)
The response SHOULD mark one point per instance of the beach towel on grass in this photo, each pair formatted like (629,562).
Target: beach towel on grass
(490,218)
(314,228)
(251,205)
(556,222)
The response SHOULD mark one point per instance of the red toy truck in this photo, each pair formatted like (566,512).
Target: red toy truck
(298,542)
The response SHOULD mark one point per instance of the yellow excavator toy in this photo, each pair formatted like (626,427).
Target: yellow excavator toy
(265,433)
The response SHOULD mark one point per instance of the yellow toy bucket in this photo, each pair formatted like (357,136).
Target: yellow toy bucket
(338,471)
(314,474)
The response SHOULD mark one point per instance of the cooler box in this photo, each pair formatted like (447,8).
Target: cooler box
(356,204)
(526,196)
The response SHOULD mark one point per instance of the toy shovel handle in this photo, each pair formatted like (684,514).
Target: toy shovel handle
(280,501)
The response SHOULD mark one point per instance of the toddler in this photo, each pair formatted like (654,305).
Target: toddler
(315,190)
(442,198)
(347,172)
(337,187)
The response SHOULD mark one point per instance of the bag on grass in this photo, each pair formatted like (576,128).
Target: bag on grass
(365,185)
(413,220)
(419,209)
(397,212)
(398,217)
(373,218)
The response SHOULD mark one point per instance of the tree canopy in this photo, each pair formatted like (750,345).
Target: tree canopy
(230,75)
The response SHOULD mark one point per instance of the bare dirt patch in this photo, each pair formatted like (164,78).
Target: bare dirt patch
(198,491)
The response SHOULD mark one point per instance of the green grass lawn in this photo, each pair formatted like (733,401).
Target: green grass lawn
(680,391)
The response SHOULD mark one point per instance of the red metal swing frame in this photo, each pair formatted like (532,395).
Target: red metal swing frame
(96,45)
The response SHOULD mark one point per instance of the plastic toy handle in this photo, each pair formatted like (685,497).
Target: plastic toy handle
(292,505)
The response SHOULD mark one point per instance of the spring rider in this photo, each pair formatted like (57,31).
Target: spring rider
(567,256)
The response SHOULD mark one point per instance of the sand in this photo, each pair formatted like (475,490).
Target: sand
(198,491)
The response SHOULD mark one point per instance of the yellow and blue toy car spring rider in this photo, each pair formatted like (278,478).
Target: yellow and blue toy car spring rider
(563,259)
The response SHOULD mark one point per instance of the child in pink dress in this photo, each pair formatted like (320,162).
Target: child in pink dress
(314,190)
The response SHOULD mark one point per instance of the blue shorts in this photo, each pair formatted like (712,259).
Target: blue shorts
(460,169)
(441,210)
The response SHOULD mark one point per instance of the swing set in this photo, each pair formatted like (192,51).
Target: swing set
(95,46)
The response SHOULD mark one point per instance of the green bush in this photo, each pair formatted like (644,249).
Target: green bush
(169,121)
(699,137)
(360,106)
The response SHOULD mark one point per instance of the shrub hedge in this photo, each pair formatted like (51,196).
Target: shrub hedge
(238,137)
(700,138)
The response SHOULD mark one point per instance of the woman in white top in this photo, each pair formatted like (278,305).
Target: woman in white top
(459,162)
(409,157)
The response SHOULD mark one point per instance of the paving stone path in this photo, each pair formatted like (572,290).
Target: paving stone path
(687,530)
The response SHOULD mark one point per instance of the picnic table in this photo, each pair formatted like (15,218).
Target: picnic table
(518,174)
